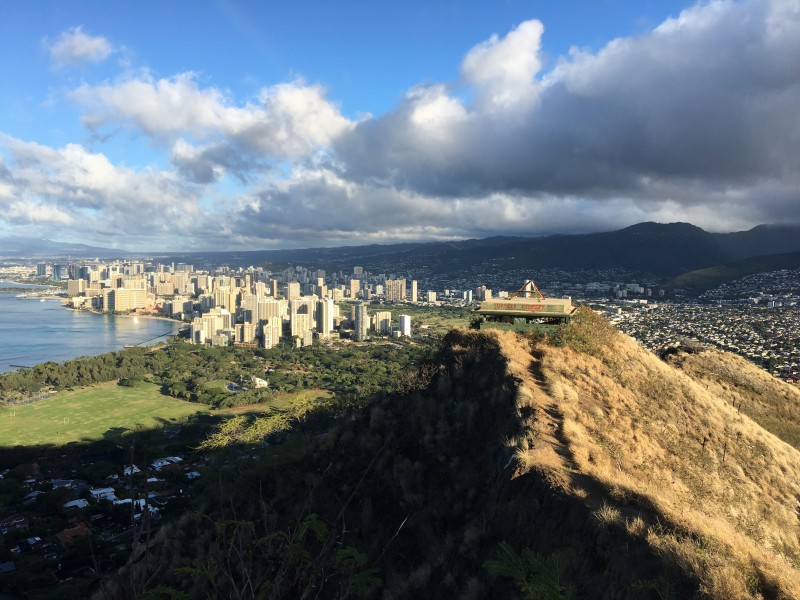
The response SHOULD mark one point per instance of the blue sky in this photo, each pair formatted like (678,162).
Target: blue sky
(195,125)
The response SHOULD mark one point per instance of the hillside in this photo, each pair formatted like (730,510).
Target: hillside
(507,467)
(701,280)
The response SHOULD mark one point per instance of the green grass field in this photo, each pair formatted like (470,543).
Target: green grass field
(90,412)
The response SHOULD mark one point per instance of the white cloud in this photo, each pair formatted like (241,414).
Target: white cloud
(75,187)
(289,120)
(159,107)
(27,212)
(503,71)
(74,48)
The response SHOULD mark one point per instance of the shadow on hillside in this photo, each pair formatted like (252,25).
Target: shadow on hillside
(165,435)
(405,496)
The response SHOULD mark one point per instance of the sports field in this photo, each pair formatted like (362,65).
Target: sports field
(90,412)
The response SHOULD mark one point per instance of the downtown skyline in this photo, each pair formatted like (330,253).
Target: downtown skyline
(233,125)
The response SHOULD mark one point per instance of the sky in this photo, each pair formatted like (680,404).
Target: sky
(217,125)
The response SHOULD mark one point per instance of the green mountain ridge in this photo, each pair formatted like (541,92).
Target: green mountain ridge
(661,249)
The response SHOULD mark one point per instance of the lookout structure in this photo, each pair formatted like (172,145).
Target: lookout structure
(527,309)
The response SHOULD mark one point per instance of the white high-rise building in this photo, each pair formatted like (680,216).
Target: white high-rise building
(405,325)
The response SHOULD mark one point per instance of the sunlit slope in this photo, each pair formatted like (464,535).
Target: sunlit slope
(768,401)
(665,454)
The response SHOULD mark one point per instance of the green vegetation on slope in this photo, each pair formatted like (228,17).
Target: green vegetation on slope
(706,279)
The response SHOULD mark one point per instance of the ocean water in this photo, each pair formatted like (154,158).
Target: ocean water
(34,331)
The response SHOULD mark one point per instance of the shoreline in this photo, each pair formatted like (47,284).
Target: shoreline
(129,316)
(94,336)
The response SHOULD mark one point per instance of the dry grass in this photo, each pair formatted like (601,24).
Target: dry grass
(765,399)
(662,452)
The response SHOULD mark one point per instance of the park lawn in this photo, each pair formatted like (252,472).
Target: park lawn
(437,318)
(218,384)
(88,413)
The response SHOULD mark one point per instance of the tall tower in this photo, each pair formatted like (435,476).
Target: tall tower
(325,317)
(395,290)
(405,325)
(355,287)
(292,290)
(362,321)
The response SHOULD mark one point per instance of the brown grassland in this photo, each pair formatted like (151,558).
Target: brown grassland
(693,456)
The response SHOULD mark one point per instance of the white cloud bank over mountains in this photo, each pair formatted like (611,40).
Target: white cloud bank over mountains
(695,121)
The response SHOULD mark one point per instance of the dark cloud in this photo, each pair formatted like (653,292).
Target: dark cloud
(706,103)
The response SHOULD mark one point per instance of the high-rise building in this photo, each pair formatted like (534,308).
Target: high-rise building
(76,287)
(414,292)
(325,310)
(60,272)
(226,297)
(430,296)
(180,306)
(216,321)
(395,290)
(270,308)
(405,325)
(124,300)
(355,287)
(248,309)
(361,321)
(271,330)
(292,290)
(383,322)
(358,270)
(245,333)
(302,315)
(483,293)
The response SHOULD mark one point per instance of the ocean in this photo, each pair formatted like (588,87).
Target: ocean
(34,331)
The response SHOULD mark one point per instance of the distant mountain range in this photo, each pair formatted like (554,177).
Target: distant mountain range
(32,247)
(665,250)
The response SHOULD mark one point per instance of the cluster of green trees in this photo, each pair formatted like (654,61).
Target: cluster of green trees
(131,363)
(201,373)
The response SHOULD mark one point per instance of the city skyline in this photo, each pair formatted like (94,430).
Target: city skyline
(234,125)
